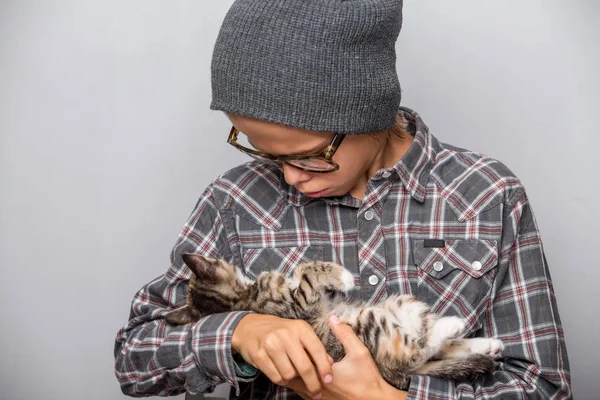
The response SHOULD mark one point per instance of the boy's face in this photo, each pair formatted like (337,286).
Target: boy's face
(354,156)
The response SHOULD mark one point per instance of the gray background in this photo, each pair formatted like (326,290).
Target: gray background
(106,141)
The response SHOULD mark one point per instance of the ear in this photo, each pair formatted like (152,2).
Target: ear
(204,268)
(182,315)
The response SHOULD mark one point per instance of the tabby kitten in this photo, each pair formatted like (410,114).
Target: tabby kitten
(403,335)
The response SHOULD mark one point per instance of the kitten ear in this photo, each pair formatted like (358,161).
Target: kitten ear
(204,268)
(181,316)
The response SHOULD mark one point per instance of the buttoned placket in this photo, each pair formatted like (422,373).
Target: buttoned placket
(370,241)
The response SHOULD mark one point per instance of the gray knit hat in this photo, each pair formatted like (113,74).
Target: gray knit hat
(323,65)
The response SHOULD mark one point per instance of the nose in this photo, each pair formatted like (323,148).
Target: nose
(294,176)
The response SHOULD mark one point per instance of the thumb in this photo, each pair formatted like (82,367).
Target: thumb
(345,335)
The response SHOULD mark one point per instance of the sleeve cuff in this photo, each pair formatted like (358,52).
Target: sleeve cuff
(211,346)
(242,368)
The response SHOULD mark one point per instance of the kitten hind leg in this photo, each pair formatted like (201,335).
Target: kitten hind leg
(413,317)
(463,358)
(459,348)
(443,329)
(458,368)
(422,327)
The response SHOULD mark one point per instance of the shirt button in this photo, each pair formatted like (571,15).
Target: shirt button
(386,174)
(438,266)
(369,215)
(476,265)
(373,280)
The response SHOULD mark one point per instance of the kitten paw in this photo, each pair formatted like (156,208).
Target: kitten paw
(323,275)
(347,280)
(444,329)
(486,346)
(448,327)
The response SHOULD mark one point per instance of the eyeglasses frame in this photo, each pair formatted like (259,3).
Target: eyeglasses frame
(325,155)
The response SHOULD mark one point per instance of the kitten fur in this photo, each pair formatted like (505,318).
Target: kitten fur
(403,335)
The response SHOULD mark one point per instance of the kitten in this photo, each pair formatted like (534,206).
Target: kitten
(403,336)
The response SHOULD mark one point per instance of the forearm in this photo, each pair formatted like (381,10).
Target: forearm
(156,358)
(145,365)
(534,363)
(501,385)
(522,313)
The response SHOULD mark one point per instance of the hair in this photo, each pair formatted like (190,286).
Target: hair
(400,130)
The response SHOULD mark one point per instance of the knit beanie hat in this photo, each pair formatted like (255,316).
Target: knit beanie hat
(322,65)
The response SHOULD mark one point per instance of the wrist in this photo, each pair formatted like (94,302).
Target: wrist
(238,333)
(390,392)
(235,336)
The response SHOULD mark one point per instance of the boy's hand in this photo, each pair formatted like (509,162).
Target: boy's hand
(283,349)
(356,376)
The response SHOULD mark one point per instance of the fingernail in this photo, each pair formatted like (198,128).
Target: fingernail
(334,320)
(328,378)
(317,396)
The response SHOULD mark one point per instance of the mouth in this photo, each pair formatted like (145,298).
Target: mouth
(317,194)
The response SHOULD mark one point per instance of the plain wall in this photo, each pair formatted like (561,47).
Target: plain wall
(106,142)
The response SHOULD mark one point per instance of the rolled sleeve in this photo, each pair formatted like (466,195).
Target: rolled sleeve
(211,343)
(153,357)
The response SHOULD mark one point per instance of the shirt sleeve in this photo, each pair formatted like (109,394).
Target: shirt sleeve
(153,357)
(524,315)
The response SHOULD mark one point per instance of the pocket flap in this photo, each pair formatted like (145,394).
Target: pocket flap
(473,256)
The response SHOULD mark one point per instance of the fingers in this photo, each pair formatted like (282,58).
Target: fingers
(352,344)
(319,356)
(305,369)
(283,350)
(286,365)
(297,385)
(277,353)
(267,367)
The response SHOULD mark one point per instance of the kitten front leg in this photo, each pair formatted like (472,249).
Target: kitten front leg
(319,276)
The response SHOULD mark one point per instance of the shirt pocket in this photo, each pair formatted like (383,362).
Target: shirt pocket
(280,259)
(457,279)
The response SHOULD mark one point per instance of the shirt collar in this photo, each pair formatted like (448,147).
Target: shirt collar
(413,169)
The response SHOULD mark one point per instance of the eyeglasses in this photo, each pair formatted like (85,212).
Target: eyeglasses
(318,162)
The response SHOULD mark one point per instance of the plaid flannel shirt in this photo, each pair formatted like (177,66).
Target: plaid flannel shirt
(490,271)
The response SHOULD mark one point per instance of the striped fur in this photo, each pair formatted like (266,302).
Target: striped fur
(403,336)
